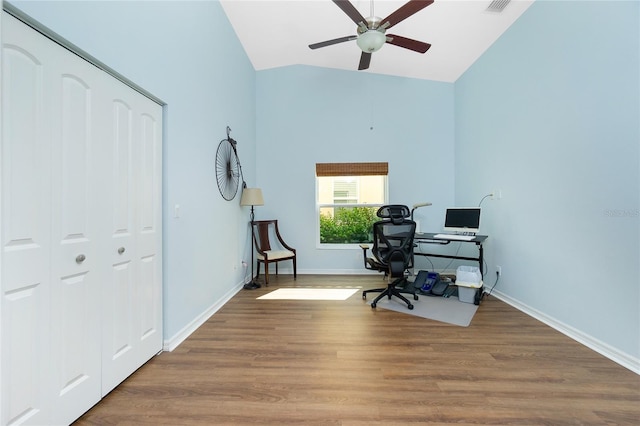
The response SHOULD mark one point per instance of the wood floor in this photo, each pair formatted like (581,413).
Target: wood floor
(279,362)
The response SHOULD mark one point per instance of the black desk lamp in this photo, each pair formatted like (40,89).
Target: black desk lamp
(252,197)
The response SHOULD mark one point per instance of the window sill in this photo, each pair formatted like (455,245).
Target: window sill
(354,246)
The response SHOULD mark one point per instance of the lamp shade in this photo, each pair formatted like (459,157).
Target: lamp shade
(371,41)
(252,197)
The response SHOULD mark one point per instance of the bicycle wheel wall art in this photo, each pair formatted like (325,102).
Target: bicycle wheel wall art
(228,168)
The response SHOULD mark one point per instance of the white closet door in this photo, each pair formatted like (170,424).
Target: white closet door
(80,230)
(131,303)
(149,229)
(76,219)
(26,229)
(118,300)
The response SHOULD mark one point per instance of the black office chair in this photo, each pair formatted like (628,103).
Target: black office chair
(392,252)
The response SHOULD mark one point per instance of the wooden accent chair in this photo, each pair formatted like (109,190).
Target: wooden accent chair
(271,247)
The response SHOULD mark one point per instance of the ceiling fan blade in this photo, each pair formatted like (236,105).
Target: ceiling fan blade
(351,12)
(365,60)
(330,42)
(407,43)
(408,9)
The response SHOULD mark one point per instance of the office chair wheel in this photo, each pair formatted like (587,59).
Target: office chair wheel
(415,296)
(373,305)
(410,306)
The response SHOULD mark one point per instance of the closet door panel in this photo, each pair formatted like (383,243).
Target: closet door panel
(149,335)
(24,400)
(75,298)
(25,190)
(149,166)
(25,199)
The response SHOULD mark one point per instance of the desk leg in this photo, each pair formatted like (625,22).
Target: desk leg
(481,260)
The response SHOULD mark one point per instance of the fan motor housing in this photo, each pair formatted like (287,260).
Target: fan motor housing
(373,23)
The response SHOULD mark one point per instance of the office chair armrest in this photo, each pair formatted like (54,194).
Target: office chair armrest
(369,263)
(364,248)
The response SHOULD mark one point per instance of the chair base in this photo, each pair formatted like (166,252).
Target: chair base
(389,291)
(266,268)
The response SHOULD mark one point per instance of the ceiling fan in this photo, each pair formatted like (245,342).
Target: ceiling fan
(371,31)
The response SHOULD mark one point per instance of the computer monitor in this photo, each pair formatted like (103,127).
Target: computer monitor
(462,220)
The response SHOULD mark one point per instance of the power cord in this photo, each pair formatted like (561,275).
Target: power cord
(428,260)
(485,263)
(494,284)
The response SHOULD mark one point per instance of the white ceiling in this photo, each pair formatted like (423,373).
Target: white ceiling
(277,33)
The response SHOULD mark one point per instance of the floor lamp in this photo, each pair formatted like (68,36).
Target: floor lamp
(252,197)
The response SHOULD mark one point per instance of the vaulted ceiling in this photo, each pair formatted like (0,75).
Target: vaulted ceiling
(277,33)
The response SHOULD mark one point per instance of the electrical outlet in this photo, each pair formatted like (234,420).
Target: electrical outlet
(498,270)
(496,194)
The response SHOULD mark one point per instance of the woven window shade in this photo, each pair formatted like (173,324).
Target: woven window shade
(352,169)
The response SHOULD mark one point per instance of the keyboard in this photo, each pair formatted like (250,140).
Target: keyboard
(455,237)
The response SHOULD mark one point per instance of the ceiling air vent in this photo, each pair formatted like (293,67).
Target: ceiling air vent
(498,6)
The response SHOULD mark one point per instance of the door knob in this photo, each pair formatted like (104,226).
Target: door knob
(80,258)
(121,250)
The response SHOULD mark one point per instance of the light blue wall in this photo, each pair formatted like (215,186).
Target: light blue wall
(308,115)
(550,115)
(187,54)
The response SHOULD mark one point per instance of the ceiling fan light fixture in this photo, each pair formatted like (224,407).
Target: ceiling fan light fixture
(371,41)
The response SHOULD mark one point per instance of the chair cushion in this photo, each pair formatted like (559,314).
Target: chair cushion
(276,254)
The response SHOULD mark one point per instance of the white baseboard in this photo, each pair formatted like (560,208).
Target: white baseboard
(359,271)
(615,355)
(175,340)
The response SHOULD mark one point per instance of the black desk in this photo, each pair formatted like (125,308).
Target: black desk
(429,238)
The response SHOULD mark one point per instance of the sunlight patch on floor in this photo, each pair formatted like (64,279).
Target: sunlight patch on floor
(310,294)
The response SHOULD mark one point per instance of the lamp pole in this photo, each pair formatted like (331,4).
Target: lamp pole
(252,197)
(252,284)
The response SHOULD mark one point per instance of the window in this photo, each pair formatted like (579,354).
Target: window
(347,198)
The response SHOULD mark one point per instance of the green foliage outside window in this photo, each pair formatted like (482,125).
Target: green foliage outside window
(349,225)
